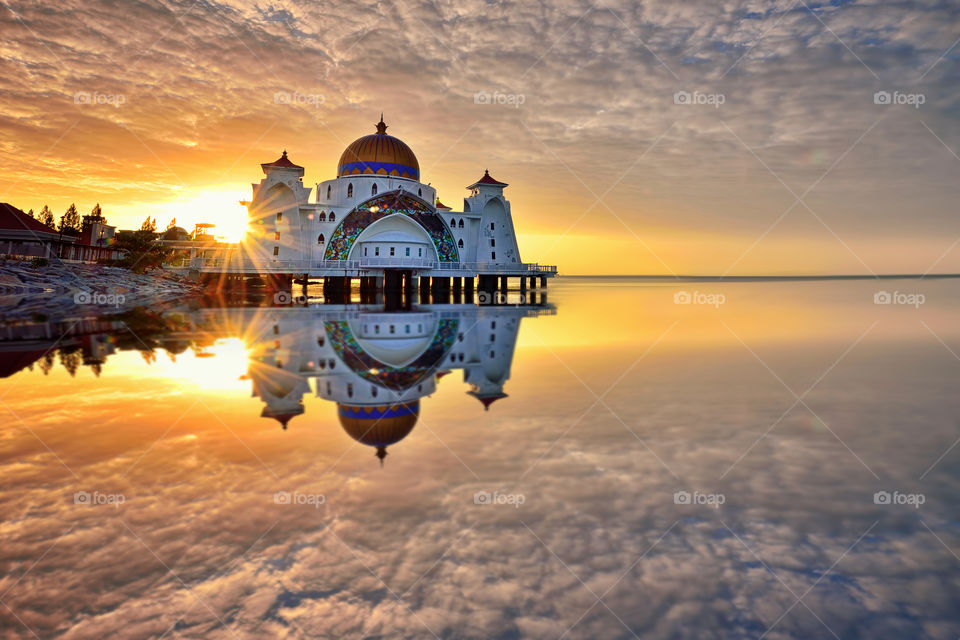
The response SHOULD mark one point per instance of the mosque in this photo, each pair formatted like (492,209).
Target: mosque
(377,220)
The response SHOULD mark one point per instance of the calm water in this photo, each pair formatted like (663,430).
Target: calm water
(643,468)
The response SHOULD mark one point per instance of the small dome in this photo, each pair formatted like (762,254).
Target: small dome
(379,154)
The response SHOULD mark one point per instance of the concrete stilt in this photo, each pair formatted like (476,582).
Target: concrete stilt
(440,291)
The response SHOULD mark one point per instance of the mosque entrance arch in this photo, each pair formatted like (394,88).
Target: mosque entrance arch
(397,237)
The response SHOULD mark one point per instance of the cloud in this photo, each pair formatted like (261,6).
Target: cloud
(198,83)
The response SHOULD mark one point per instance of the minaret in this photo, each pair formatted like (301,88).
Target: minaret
(497,241)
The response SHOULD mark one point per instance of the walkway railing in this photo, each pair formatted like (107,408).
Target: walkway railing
(420,264)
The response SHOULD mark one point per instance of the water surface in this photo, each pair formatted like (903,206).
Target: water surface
(628,466)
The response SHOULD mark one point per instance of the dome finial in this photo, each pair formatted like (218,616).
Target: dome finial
(284,153)
(381,453)
(381,126)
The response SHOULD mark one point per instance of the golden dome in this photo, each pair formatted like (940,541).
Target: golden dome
(381,425)
(379,154)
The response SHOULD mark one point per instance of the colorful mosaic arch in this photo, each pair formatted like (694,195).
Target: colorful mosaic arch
(385,205)
(394,378)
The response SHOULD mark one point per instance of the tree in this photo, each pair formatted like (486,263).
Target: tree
(95,212)
(46,217)
(70,221)
(173,223)
(149,225)
(46,363)
(71,360)
(30,213)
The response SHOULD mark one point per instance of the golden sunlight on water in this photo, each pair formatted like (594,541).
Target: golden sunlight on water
(205,518)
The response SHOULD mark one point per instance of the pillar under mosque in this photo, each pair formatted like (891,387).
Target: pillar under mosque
(440,291)
(424,289)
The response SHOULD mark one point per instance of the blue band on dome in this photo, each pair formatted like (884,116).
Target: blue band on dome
(379,412)
(346,169)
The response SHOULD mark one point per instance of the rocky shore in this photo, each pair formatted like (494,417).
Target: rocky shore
(29,292)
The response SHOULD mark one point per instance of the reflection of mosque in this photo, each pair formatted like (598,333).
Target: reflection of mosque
(377,365)
(374,361)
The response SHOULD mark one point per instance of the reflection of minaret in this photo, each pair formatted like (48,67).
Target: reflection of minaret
(279,364)
(491,342)
(281,390)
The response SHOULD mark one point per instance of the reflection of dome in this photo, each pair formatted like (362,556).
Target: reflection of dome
(379,425)
(379,154)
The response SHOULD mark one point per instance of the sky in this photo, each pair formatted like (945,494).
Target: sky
(751,137)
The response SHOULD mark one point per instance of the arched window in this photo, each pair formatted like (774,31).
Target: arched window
(461,223)
(460,244)
(420,192)
(323,216)
(320,239)
(373,189)
(373,391)
(350,190)
(453,223)
(333,217)
(328,191)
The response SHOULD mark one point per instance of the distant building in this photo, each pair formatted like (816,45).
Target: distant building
(25,237)
(189,246)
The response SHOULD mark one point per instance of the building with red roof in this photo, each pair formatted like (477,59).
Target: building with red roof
(26,237)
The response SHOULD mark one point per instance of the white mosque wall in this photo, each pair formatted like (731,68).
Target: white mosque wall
(283,225)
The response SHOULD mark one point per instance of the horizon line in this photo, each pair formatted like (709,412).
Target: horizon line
(886,276)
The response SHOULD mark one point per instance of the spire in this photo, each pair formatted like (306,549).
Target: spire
(381,126)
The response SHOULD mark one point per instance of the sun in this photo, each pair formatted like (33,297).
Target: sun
(220,207)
